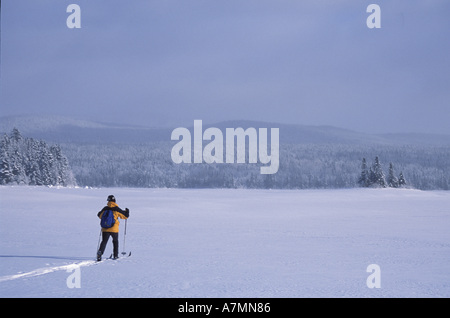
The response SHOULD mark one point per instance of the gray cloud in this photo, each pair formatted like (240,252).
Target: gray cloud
(170,62)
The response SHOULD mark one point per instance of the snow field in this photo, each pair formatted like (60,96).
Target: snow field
(227,243)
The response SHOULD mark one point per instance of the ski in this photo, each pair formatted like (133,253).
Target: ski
(123,253)
(112,258)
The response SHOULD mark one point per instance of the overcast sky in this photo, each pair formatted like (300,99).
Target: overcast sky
(168,62)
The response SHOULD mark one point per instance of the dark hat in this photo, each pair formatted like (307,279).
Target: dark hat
(111,198)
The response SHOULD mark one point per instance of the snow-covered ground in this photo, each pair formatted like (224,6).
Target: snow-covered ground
(227,243)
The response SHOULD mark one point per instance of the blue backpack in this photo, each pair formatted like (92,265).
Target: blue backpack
(107,221)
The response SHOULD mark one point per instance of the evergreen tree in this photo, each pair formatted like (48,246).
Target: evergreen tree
(15,135)
(17,168)
(376,175)
(392,180)
(363,180)
(401,180)
(5,169)
(6,175)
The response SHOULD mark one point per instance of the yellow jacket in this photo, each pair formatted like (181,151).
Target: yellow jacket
(118,213)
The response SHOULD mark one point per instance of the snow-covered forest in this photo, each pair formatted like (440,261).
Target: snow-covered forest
(318,165)
(31,162)
(302,166)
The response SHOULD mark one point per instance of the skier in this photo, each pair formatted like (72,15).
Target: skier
(114,230)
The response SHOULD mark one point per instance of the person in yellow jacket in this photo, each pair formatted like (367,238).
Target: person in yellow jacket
(114,230)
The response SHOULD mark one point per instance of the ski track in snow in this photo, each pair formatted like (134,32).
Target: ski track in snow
(51,269)
(46,270)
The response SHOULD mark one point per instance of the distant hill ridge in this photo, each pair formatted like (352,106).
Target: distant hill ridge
(66,129)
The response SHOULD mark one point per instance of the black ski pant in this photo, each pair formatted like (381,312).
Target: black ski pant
(115,240)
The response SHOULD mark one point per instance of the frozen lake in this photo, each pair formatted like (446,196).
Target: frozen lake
(227,243)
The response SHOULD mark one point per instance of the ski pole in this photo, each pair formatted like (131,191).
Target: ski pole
(124,236)
(98,244)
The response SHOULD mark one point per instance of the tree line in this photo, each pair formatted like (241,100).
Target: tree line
(149,165)
(302,166)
